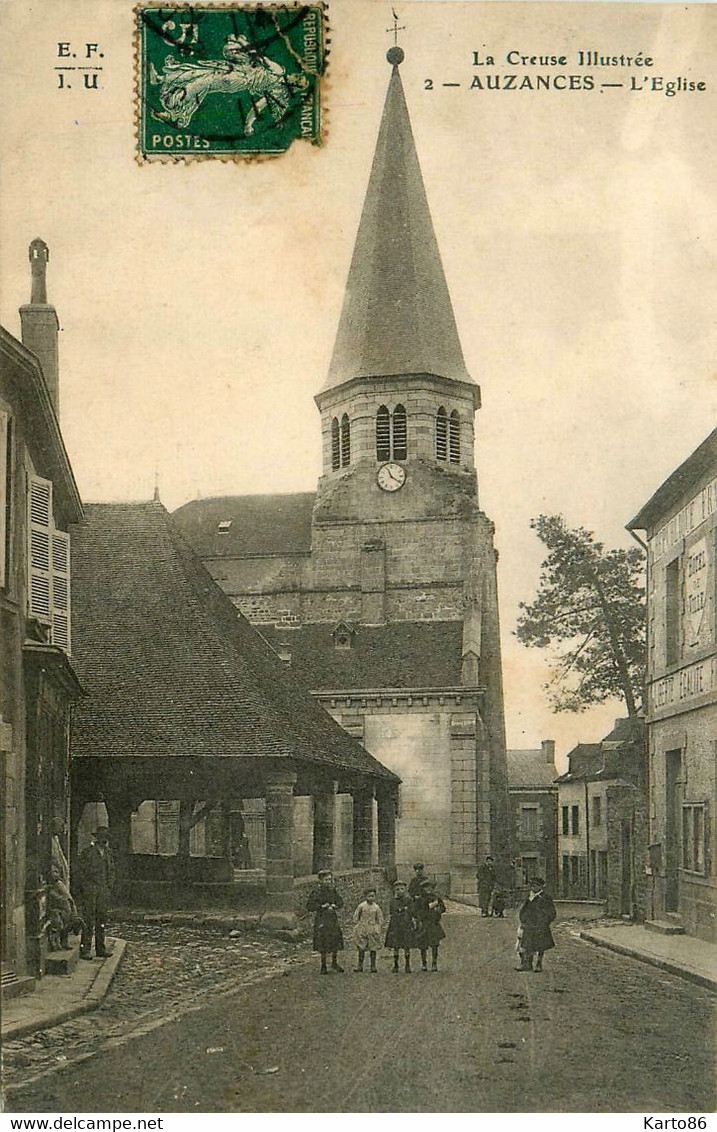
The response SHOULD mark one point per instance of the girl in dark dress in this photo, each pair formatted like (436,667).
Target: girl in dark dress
(325,902)
(428,909)
(401,934)
(534,934)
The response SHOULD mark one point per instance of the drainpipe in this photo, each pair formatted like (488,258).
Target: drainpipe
(587,838)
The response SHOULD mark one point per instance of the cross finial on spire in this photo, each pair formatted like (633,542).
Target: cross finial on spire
(395,54)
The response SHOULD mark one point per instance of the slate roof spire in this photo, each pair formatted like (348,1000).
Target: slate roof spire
(397,316)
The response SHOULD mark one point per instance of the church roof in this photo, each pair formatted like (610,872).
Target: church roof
(236,526)
(404,654)
(397,316)
(528,769)
(170,667)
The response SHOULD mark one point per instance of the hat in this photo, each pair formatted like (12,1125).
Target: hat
(537,882)
(420,865)
(369,891)
(399,884)
(103,832)
(324,873)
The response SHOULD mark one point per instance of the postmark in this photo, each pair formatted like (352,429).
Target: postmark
(231,81)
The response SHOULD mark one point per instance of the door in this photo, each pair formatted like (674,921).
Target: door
(673,828)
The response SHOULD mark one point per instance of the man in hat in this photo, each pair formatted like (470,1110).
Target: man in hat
(416,886)
(534,934)
(95,878)
(485,878)
(325,902)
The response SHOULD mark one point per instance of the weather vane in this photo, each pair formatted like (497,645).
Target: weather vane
(395,54)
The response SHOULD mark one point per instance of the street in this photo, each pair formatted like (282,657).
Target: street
(594,1032)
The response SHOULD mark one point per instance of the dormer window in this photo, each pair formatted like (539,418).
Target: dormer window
(343,635)
(224,526)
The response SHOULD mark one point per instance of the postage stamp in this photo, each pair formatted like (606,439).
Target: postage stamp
(234,80)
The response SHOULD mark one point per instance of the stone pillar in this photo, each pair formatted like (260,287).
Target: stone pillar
(324,816)
(119,811)
(279,791)
(470,802)
(363,827)
(387,829)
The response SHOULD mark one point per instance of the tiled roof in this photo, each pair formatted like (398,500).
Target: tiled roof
(405,654)
(529,768)
(169,666)
(257,524)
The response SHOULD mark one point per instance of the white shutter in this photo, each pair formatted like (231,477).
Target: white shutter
(39,527)
(5,465)
(61,590)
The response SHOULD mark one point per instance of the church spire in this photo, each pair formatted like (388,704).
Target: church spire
(397,316)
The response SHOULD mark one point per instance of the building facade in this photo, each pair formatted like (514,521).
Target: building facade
(534,803)
(680,525)
(380,589)
(38,502)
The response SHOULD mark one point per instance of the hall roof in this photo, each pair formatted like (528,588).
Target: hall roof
(170,667)
(397,316)
(528,769)
(236,526)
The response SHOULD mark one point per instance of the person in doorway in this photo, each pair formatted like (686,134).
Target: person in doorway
(486,879)
(325,902)
(95,879)
(368,929)
(429,908)
(401,934)
(534,934)
(419,875)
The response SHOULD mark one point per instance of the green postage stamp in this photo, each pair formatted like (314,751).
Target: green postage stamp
(228,81)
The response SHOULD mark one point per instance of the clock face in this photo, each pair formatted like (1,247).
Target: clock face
(391,477)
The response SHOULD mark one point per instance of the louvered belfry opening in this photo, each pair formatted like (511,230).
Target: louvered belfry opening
(454,437)
(441,434)
(383,434)
(335,445)
(345,441)
(400,440)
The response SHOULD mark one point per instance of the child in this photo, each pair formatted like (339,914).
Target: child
(428,910)
(368,933)
(498,904)
(401,932)
(325,901)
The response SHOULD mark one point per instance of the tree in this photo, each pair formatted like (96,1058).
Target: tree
(590,607)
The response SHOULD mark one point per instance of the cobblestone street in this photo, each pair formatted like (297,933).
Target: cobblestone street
(595,1032)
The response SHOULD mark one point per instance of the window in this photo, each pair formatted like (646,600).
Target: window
(48,565)
(400,438)
(593,873)
(574,820)
(454,438)
(383,434)
(5,496)
(345,441)
(575,870)
(672,612)
(565,871)
(597,810)
(335,445)
(566,821)
(693,837)
(441,434)
(528,821)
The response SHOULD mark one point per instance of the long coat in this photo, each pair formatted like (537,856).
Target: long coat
(486,883)
(328,936)
(536,916)
(401,925)
(428,912)
(94,876)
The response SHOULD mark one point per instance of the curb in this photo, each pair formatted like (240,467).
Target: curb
(667,965)
(95,995)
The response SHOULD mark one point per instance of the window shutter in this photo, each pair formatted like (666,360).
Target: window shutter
(441,434)
(383,434)
(345,441)
(61,590)
(335,445)
(39,525)
(454,438)
(400,436)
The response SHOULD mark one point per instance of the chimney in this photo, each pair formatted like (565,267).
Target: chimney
(548,749)
(39,322)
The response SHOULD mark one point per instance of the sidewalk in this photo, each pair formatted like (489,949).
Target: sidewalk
(57,998)
(681,955)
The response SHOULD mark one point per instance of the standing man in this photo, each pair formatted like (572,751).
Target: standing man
(95,878)
(534,934)
(486,883)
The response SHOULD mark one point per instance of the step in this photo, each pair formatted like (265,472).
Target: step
(14,985)
(665,927)
(62,962)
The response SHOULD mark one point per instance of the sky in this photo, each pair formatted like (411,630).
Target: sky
(199,301)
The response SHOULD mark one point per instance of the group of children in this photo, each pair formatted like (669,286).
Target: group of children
(414,923)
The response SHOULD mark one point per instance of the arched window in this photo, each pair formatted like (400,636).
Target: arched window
(441,434)
(335,445)
(345,441)
(400,442)
(383,434)
(454,438)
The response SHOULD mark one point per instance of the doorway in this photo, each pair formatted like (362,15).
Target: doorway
(673,830)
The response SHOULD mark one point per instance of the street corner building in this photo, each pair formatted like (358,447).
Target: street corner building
(39,502)
(534,802)
(221,777)
(680,524)
(380,589)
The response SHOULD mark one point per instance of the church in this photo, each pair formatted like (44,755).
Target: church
(379,590)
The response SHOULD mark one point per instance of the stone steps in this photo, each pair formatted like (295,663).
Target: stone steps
(671,926)
(14,985)
(62,962)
